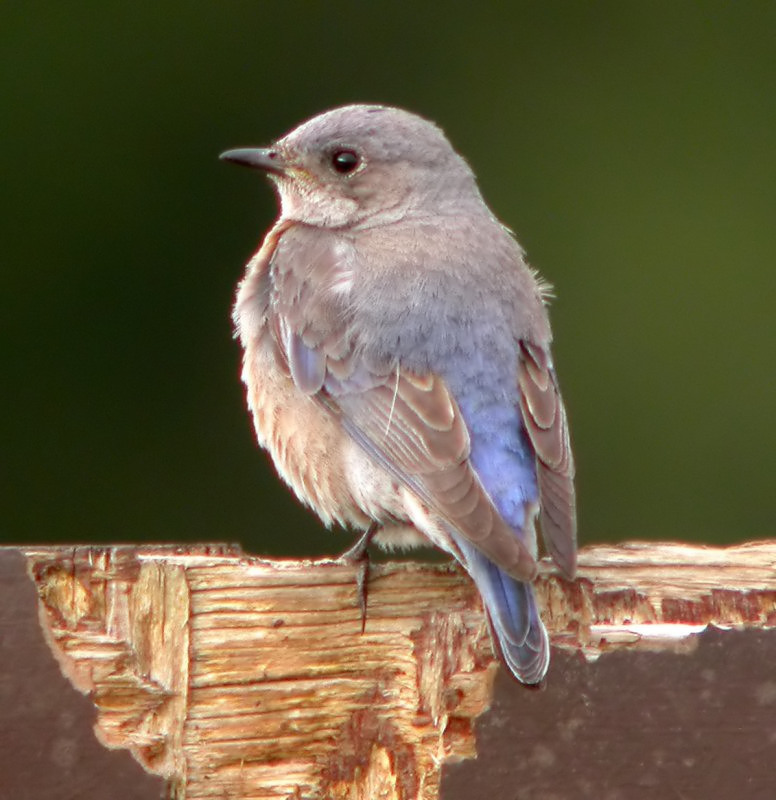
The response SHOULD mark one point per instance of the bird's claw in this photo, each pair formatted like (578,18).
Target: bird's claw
(358,556)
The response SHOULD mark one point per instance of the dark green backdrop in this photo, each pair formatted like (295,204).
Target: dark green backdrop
(630,145)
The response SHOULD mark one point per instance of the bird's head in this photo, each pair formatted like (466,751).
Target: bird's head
(363,165)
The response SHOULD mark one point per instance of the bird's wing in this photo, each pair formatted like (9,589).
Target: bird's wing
(409,423)
(545,420)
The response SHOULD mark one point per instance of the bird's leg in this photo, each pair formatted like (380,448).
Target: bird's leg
(358,555)
(360,549)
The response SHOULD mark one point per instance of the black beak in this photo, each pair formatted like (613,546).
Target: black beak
(261,158)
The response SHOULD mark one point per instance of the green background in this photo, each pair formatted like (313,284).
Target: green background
(630,145)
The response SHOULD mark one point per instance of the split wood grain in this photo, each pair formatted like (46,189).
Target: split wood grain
(237,677)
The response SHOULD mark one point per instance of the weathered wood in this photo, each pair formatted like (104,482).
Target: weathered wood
(47,744)
(232,676)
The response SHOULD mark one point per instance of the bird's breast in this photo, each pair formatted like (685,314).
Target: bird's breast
(326,469)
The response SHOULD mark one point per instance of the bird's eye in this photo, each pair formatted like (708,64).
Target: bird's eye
(344,161)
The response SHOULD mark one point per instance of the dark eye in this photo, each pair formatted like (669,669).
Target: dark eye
(344,161)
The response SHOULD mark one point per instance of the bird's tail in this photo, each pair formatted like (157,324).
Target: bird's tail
(519,633)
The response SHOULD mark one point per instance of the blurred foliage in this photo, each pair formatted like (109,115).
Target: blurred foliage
(630,145)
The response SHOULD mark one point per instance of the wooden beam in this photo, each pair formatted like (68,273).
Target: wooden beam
(229,676)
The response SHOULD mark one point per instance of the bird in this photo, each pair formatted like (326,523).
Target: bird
(397,362)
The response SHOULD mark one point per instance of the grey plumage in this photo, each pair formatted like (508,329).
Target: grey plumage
(397,359)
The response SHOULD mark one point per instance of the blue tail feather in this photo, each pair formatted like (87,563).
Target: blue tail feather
(514,618)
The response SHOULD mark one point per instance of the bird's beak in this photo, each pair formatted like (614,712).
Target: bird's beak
(262,158)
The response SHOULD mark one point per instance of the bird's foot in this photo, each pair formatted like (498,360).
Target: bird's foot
(358,556)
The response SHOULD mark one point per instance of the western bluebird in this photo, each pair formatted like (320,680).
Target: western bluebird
(397,359)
